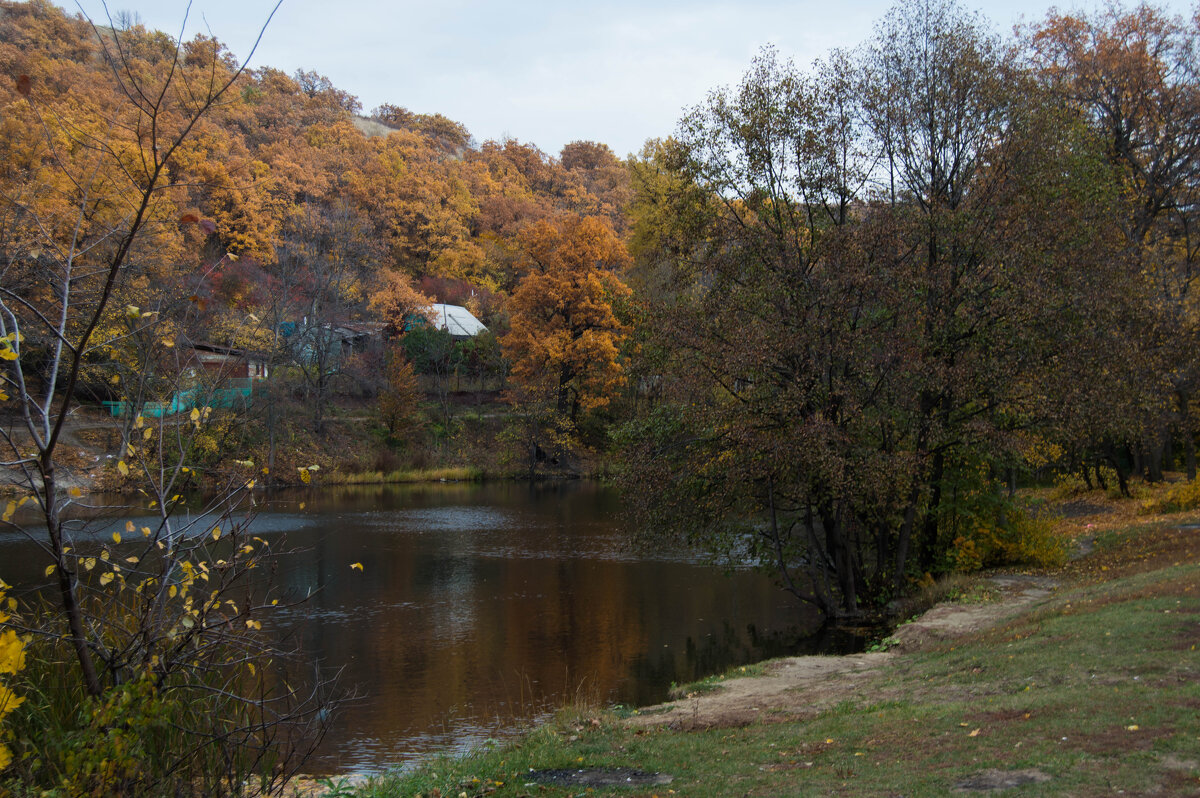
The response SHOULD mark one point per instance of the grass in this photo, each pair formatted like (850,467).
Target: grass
(1096,690)
(407,475)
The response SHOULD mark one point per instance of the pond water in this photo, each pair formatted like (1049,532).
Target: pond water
(481,607)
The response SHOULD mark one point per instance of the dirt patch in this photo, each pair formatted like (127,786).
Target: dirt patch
(1148,550)
(1119,739)
(797,687)
(1007,716)
(1187,636)
(597,777)
(1082,509)
(995,780)
(948,621)
(1185,765)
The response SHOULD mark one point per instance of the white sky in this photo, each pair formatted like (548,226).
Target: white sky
(613,71)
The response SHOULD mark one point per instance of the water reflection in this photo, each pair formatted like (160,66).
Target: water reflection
(480,607)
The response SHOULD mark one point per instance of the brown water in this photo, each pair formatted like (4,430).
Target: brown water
(481,607)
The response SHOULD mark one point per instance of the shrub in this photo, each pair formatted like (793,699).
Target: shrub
(12,662)
(143,736)
(1178,498)
(1020,540)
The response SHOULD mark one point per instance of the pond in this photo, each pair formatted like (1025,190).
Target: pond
(482,607)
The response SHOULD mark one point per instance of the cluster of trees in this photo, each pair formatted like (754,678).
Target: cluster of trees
(307,214)
(857,300)
(156,194)
(880,287)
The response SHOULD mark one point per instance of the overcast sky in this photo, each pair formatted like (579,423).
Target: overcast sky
(616,71)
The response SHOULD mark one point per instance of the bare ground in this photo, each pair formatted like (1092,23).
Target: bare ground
(798,687)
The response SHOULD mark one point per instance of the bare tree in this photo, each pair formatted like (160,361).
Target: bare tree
(162,612)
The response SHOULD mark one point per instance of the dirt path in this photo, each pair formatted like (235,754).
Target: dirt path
(798,687)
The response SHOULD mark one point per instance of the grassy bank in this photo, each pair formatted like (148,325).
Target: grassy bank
(1095,690)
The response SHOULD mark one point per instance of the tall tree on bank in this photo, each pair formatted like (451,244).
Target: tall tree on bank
(845,340)
(1134,78)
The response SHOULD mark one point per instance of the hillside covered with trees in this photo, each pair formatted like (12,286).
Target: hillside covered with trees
(829,327)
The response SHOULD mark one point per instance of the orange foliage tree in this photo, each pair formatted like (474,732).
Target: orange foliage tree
(566,337)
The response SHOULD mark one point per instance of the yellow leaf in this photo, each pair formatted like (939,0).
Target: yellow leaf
(216,533)
(74,492)
(172,590)
(128,526)
(1134,727)
(974,733)
(356,565)
(116,537)
(9,509)
(124,469)
(305,475)
(139,422)
(89,563)
(146,433)
(168,342)
(105,579)
(50,569)
(145,531)
(132,311)
(194,415)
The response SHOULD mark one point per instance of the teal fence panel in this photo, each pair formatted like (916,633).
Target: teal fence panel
(236,396)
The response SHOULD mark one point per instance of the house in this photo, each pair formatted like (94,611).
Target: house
(221,376)
(456,320)
(327,343)
(229,362)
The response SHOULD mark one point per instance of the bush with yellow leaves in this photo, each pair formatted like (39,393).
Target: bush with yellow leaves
(1181,497)
(12,661)
(1020,540)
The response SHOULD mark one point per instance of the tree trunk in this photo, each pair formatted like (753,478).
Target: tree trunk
(66,585)
(927,545)
(1189,437)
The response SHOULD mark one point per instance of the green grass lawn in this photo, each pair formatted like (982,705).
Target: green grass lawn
(1094,692)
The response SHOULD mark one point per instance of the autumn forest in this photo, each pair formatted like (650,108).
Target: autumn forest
(831,325)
